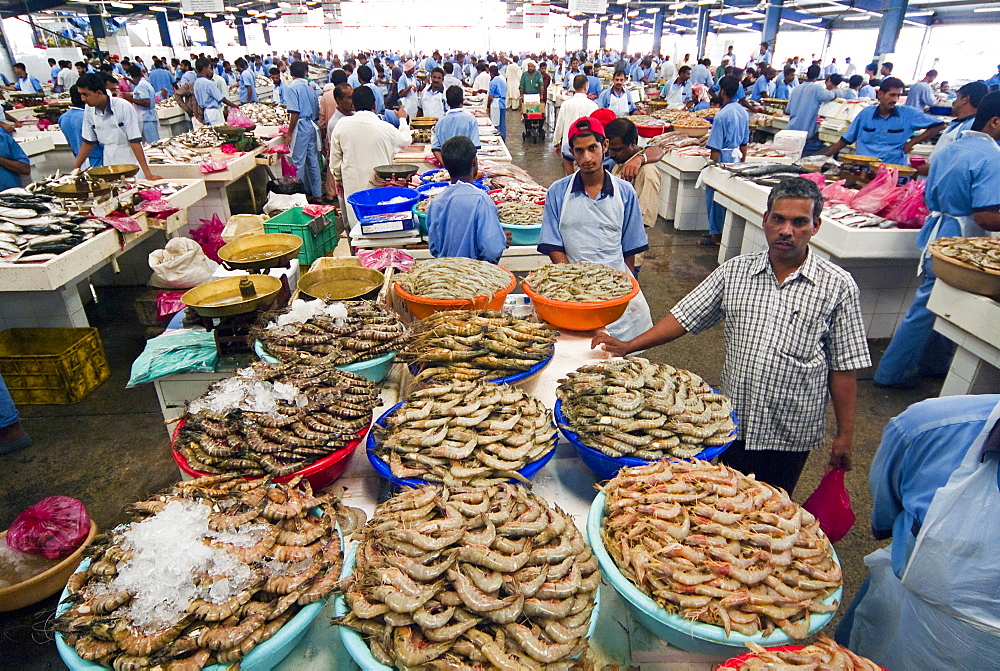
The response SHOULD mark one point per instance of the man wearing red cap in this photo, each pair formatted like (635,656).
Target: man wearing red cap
(592,217)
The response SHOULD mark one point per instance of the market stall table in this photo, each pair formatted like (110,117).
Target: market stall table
(681,201)
(172,120)
(48,295)
(883,262)
(972,322)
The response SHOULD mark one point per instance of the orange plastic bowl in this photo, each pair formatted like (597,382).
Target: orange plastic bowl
(422,308)
(319,473)
(581,316)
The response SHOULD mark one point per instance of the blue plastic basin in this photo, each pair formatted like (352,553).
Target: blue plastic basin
(373,370)
(369,201)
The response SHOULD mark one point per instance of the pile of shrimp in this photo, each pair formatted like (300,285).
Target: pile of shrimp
(293,556)
(489,577)
(472,433)
(712,544)
(823,654)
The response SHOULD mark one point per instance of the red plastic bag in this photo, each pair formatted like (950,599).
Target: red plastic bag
(838,193)
(831,504)
(880,193)
(287,169)
(54,527)
(910,210)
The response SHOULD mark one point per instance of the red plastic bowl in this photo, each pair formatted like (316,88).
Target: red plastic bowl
(652,131)
(319,473)
(735,662)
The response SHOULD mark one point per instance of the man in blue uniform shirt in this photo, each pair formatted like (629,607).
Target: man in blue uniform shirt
(302,102)
(764,86)
(616,98)
(921,96)
(161,80)
(885,131)
(456,121)
(13,162)
(789,80)
(462,220)
(963,195)
(207,93)
(144,99)
(248,82)
(803,106)
(727,141)
(71,125)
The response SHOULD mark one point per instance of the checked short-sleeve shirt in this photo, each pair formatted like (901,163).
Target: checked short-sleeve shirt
(781,343)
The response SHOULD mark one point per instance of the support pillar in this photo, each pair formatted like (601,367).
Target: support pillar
(206,23)
(164,26)
(604,35)
(98,28)
(702,29)
(267,34)
(772,21)
(657,32)
(888,30)
(626,29)
(586,33)
(241,31)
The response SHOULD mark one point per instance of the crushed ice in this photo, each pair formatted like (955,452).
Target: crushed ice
(244,392)
(301,311)
(169,550)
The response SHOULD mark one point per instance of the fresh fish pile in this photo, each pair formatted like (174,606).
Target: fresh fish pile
(518,192)
(264,114)
(466,433)
(674,140)
(634,408)
(206,571)
(486,577)
(848,216)
(692,123)
(579,282)
(439,176)
(711,544)
(169,103)
(983,253)
(645,120)
(39,228)
(368,331)
(454,277)
(466,345)
(184,148)
(765,174)
(499,175)
(424,204)
(275,419)
(684,115)
(521,214)
(825,653)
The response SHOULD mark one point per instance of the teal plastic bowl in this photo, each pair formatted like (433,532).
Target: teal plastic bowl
(685,634)
(355,643)
(264,657)
(523,235)
(374,370)
(421,218)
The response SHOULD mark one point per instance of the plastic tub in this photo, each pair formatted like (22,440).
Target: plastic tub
(425,177)
(319,473)
(523,235)
(652,131)
(581,316)
(369,202)
(263,657)
(45,584)
(355,643)
(319,234)
(605,467)
(425,189)
(382,468)
(373,370)
(421,218)
(55,365)
(422,308)
(685,634)
(510,379)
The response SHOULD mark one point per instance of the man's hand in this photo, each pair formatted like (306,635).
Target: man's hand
(7,127)
(630,168)
(557,150)
(401,113)
(841,453)
(908,147)
(612,345)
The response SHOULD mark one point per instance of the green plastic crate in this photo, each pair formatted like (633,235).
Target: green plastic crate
(319,234)
(60,365)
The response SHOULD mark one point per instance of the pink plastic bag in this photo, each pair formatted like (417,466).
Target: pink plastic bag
(880,193)
(287,169)
(910,210)
(54,527)
(238,119)
(831,504)
(817,177)
(838,193)
(380,259)
(209,236)
(168,303)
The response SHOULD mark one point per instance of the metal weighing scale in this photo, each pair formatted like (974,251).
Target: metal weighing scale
(230,307)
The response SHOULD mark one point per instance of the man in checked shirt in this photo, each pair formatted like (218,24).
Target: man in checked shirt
(794,338)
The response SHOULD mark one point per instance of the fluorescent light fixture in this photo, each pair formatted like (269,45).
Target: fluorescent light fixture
(925,12)
(121,5)
(253,12)
(858,17)
(158,9)
(229,17)
(677,5)
(653,10)
(706,2)
(211,16)
(817,19)
(746,17)
(230,9)
(634,12)
(983,10)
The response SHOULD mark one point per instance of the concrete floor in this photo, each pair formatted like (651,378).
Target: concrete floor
(111,449)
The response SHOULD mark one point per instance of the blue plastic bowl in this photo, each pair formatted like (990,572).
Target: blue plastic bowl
(369,202)
(421,218)
(382,468)
(523,235)
(685,634)
(264,657)
(355,643)
(423,189)
(605,467)
(373,370)
(510,379)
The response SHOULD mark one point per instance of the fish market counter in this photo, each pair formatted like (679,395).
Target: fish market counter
(883,262)
(681,201)
(48,294)
(565,480)
(972,322)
